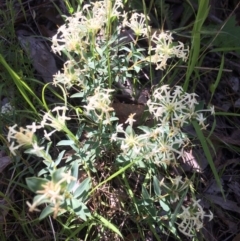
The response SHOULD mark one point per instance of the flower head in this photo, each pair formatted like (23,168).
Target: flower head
(36,150)
(192,218)
(100,103)
(138,24)
(164,49)
(172,107)
(59,121)
(130,119)
(72,75)
(67,177)
(51,191)
(23,137)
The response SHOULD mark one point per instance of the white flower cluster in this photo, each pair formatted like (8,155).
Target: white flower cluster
(72,75)
(156,144)
(165,142)
(25,136)
(175,107)
(176,188)
(80,35)
(74,35)
(100,103)
(57,122)
(52,193)
(164,49)
(138,24)
(192,218)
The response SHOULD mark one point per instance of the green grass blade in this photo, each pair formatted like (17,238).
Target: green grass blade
(21,85)
(203,9)
(214,86)
(207,153)
(107,224)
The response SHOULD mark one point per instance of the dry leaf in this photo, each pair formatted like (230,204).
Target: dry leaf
(213,187)
(4,162)
(235,187)
(42,60)
(225,204)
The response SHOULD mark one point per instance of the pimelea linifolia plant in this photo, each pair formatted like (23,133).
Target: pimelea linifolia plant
(95,62)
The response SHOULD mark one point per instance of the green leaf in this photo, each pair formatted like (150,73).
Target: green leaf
(83,212)
(229,35)
(74,173)
(46,212)
(203,10)
(107,224)
(164,205)
(145,194)
(77,95)
(156,186)
(65,143)
(57,174)
(214,86)
(75,169)
(23,88)
(129,130)
(35,183)
(207,153)
(40,199)
(146,129)
(82,189)
(79,208)
(59,158)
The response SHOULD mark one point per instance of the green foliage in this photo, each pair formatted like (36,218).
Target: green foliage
(103,152)
(203,10)
(21,85)
(228,35)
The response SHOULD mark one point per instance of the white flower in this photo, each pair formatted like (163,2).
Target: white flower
(138,24)
(177,180)
(34,127)
(173,107)
(12,148)
(33,207)
(11,132)
(51,191)
(192,218)
(131,142)
(130,119)
(212,110)
(47,135)
(100,103)
(164,49)
(120,128)
(201,120)
(24,137)
(113,137)
(210,215)
(36,150)
(57,122)
(104,10)
(67,177)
